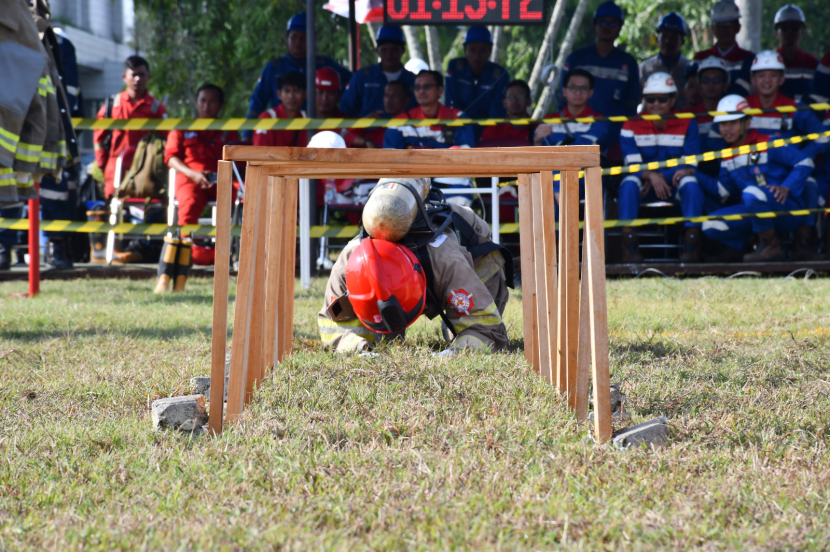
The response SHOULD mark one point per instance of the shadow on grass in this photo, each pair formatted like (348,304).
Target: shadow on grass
(654,349)
(134,333)
(176,298)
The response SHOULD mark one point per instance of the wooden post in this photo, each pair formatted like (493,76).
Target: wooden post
(548,237)
(288,266)
(255,360)
(274,248)
(562,281)
(526,239)
(572,245)
(240,345)
(219,338)
(578,396)
(594,235)
(543,335)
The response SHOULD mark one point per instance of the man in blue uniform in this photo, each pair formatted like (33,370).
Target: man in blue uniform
(265,93)
(671,35)
(476,85)
(364,95)
(616,76)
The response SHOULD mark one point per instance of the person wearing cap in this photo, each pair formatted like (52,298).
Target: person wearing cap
(327,84)
(265,94)
(713,80)
(726,23)
(671,35)
(771,180)
(476,85)
(364,95)
(616,73)
(790,25)
(660,140)
(291,88)
(397,97)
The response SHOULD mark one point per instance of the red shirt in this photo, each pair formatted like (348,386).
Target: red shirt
(124,108)
(699,108)
(282,138)
(444,112)
(802,60)
(200,150)
(508,131)
(374,134)
(736,54)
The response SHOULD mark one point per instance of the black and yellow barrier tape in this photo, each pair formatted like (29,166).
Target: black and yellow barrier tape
(349,231)
(367,122)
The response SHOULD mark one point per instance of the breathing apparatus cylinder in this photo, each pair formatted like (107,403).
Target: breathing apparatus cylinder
(391,208)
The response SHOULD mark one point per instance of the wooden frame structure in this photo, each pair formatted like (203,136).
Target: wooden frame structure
(565,323)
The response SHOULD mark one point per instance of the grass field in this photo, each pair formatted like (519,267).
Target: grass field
(410,452)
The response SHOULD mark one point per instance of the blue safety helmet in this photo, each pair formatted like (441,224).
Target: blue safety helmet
(609,9)
(691,70)
(478,34)
(297,23)
(390,33)
(672,21)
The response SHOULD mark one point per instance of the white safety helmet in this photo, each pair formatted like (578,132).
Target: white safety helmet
(768,59)
(725,11)
(732,102)
(416,65)
(790,12)
(327,139)
(660,83)
(713,62)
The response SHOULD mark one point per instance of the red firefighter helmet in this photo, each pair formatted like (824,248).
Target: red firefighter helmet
(387,286)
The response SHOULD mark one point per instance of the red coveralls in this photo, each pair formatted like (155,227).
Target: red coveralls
(123,108)
(284,138)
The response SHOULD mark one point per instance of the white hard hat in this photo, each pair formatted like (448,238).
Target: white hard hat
(732,102)
(416,65)
(713,62)
(327,139)
(768,59)
(790,12)
(660,83)
(724,11)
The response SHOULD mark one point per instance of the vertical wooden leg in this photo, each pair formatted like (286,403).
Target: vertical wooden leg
(528,270)
(594,235)
(274,257)
(240,344)
(255,360)
(548,237)
(578,398)
(572,183)
(288,265)
(219,337)
(562,281)
(542,319)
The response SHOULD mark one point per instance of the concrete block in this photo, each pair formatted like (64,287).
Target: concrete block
(653,432)
(183,413)
(200,385)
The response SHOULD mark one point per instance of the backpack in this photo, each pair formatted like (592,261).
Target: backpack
(147,177)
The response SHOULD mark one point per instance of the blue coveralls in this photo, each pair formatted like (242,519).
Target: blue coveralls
(364,93)
(479,97)
(433,137)
(751,175)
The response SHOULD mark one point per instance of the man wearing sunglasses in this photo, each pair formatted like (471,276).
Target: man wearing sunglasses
(713,80)
(671,35)
(726,23)
(646,141)
(790,25)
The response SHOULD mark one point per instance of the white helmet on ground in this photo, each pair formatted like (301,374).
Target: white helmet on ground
(416,65)
(768,59)
(660,83)
(713,62)
(790,12)
(732,102)
(327,139)
(725,11)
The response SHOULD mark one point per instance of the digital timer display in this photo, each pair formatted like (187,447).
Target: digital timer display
(464,12)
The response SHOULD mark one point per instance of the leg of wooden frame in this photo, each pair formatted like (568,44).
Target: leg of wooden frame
(288,265)
(240,344)
(528,270)
(542,318)
(572,183)
(578,398)
(255,360)
(562,281)
(594,234)
(548,236)
(274,255)
(219,338)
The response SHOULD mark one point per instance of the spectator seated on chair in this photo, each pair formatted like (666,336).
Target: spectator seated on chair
(327,85)
(516,103)
(771,180)
(713,79)
(291,90)
(195,156)
(396,99)
(646,141)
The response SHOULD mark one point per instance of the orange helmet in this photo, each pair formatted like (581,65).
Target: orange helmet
(387,285)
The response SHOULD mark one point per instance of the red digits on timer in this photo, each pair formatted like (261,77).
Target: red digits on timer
(524,13)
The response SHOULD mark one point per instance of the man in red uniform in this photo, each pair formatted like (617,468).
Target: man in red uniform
(396,99)
(726,23)
(133,103)
(516,101)
(327,83)
(790,25)
(195,156)
(292,92)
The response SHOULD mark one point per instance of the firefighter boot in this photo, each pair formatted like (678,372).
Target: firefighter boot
(691,245)
(184,260)
(97,242)
(803,248)
(769,248)
(61,254)
(631,247)
(167,263)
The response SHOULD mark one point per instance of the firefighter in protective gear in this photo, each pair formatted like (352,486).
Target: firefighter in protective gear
(772,180)
(726,23)
(671,34)
(790,25)
(445,266)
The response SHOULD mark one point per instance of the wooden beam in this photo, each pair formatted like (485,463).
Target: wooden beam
(542,319)
(273,274)
(256,363)
(292,186)
(528,270)
(571,180)
(578,396)
(219,337)
(548,238)
(562,281)
(594,234)
(240,343)
(425,171)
